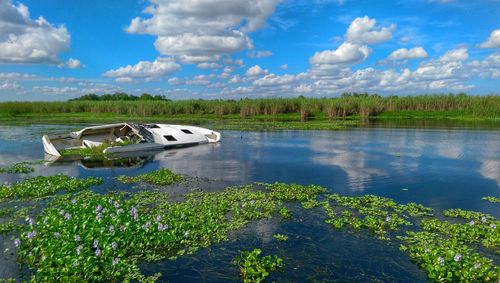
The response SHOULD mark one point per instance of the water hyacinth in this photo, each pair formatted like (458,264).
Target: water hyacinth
(96,243)
(57,235)
(440,260)
(388,219)
(98,209)
(114,245)
(67,216)
(477,265)
(31,221)
(116,261)
(31,235)
(77,238)
(79,249)
(457,257)
(493,226)
(17,242)
(471,223)
(111,229)
(98,252)
(483,219)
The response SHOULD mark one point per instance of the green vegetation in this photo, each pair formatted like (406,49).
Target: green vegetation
(260,114)
(44,186)
(119,96)
(161,177)
(280,237)
(255,268)
(94,152)
(18,168)
(492,199)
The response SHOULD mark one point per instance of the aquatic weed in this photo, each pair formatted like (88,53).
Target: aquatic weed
(161,177)
(255,268)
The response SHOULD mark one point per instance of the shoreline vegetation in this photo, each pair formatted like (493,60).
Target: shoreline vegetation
(348,110)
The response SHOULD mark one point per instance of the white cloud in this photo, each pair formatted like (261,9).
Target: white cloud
(74,63)
(405,54)
(56,90)
(303,88)
(207,65)
(493,41)
(146,69)
(273,80)
(363,31)
(256,71)
(9,86)
(347,53)
(203,28)
(284,67)
(24,40)
(260,54)
(459,54)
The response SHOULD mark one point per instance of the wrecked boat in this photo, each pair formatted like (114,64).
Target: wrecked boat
(130,137)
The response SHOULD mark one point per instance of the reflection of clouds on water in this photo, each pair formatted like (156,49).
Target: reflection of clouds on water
(203,161)
(354,163)
(490,169)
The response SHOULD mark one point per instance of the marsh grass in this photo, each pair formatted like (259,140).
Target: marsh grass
(363,106)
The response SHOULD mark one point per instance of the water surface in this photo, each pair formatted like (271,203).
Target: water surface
(439,168)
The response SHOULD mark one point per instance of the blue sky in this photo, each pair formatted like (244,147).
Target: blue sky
(60,49)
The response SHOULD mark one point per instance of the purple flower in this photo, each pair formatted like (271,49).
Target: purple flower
(493,226)
(122,228)
(457,257)
(114,245)
(146,225)
(477,265)
(110,201)
(112,229)
(31,221)
(117,205)
(98,208)
(98,216)
(17,242)
(186,233)
(158,218)
(57,235)
(441,261)
(78,249)
(119,210)
(67,216)
(483,219)
(112,215)
(98,252)
(388,218)
(73,201)
(75,263)
(162,227)
(31,235)
(471,223)
(77,238)
(61,212)
(96,243)
(115,261)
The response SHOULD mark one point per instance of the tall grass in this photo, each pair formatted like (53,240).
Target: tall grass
(334,108)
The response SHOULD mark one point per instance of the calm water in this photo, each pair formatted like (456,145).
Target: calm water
(438,168)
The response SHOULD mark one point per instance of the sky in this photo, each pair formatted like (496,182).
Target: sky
(230,49)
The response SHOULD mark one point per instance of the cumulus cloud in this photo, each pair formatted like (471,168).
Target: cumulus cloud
(24,40)
(203,28)
(74,63)
(493,41)
(256,71)
(207,65)
(459,54)
(145,69)
(347,53)
(273,80)
(405,54)
(363,31)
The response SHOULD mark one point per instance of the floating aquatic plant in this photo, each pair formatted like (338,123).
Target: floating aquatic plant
(492,199)
(255,268)
(161,177)
(294,192)
(20,168)
(43,186)
(280,237)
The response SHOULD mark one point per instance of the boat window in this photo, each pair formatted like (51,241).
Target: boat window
(154,126)
(170,138)
(186,131)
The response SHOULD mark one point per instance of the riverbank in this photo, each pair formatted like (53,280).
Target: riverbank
(289,121)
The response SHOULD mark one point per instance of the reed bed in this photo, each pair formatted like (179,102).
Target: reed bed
(334,108)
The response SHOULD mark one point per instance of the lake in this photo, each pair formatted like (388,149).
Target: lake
(439,168)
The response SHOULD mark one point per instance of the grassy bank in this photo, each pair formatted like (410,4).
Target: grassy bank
(257,114)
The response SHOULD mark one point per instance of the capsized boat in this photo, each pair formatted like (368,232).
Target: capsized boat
(130,137)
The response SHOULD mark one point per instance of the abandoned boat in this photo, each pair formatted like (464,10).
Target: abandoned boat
(130,137)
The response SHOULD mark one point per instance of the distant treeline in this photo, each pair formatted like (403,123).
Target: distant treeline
(118,96)
(363,105)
